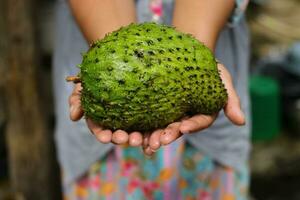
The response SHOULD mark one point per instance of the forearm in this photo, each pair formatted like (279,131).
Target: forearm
(202,18)
(98,17)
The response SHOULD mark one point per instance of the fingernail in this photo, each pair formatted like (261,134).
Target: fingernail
(241,114)
(184,131)
(146,140)
(72,109)
(166,140)
(133,142)
(153,150)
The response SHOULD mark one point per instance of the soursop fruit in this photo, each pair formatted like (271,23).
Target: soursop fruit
(145,76)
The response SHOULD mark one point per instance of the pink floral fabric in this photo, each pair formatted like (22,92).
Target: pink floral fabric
(156,7)
(177,172)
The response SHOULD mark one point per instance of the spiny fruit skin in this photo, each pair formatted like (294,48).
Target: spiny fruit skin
(145,76)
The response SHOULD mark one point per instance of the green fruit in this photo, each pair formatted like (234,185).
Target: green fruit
(145,76)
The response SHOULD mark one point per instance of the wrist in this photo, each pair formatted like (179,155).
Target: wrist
(207,35)
(204,19)
(97,18)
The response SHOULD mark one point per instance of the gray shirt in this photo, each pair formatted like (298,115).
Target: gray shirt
(77,147)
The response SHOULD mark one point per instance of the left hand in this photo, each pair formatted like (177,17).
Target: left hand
(153,141)
(101,134)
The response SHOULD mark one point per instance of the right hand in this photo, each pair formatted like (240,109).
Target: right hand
(199,122)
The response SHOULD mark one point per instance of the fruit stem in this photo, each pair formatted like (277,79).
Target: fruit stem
(74,79)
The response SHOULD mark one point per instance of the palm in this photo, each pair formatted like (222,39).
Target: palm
(151,142)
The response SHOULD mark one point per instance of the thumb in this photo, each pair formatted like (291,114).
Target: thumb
(232,109)
(76,111)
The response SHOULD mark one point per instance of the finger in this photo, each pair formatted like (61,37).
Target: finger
(146,140)
(154,140)
(171,133)
(77,88)
(147,151)
(94,128)
(76,93)
(104,136)
(233,107)
(196,123)
(76,111)
(135,139)
(120,137)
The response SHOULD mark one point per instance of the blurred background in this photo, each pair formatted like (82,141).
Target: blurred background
(27,155)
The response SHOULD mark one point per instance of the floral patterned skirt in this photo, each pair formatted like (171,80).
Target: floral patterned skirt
(177,171)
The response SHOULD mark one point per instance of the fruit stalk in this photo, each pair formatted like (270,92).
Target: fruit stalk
(74,79)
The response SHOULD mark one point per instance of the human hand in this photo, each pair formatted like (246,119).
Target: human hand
(232,110)
(101,134)
(151,142)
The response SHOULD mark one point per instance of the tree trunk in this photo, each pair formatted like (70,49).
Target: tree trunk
(33,172)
